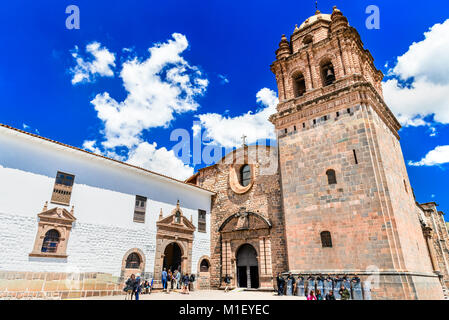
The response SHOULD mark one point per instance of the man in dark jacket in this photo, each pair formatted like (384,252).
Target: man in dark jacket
(280,282)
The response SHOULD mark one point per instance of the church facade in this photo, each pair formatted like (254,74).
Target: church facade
(340,202)
(331,198)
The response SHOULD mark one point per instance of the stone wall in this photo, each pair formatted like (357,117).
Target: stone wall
(264,198)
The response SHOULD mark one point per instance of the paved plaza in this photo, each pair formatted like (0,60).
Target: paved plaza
(206,295)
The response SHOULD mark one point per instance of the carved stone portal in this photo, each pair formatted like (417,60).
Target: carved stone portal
(175,228)
(243,229)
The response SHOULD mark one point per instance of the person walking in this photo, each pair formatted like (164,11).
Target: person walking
(330,295)
(311,296)
(175,280)
(344,293)
(178,280)
(227,281)
(137,286)
(129,286)
(164,279)
(185,282)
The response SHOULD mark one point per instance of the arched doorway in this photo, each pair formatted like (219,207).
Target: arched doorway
(247,267)
(172,257)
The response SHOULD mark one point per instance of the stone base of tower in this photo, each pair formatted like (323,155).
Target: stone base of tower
(390,285)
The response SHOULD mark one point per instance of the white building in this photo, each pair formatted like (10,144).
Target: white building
(96,216)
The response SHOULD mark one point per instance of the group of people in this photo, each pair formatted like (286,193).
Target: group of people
(321,287)
(134,286)
(175,280)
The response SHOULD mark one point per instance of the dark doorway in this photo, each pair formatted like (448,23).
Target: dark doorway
(247,267)
(172,257)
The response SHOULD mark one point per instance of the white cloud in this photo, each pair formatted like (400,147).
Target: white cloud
(437,156)
(86,70)
(227,131)
(160,160)
(158,87)
(425,67)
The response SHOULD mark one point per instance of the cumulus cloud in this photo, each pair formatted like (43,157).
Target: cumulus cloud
(227,131)
(419,83)
(158,87)
(437,156)
(160,160)
(100,63)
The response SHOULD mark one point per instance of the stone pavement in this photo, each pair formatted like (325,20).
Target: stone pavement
(206,295)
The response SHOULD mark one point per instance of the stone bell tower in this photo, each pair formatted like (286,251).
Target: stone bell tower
(348,204)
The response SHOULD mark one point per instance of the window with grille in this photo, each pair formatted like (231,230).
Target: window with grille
(133,261)
(201,220)
(331,178)
(245,175)
(139,209)
(62,191)
(51,241)
(326,240)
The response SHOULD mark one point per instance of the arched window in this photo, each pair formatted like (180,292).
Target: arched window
(326,239)
(299,85)
(133,261)
(331,178)
(307,40)
(327,73)
(51,241)
(204,266)
(245,175)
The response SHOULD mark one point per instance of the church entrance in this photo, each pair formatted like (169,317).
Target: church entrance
(172,257)
(247,267)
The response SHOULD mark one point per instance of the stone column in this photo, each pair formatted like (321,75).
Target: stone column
(428,235)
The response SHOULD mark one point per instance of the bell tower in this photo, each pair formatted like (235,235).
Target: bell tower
(348,205)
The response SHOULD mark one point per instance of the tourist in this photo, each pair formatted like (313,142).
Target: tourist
(129,285)
(137,286)
(318,295)
(185,282)
(280,282)
(311,295)
(146,287)
(178,280)
(164,279)
(227,281)
(344,293)
(330,295)
(175,279)
(169,281)
(191,281)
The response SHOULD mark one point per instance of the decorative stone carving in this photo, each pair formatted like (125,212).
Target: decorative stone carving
(58,219)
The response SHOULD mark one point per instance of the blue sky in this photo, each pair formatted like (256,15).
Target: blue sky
(218,54)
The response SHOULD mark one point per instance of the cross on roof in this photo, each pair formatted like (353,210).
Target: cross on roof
(244,139)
